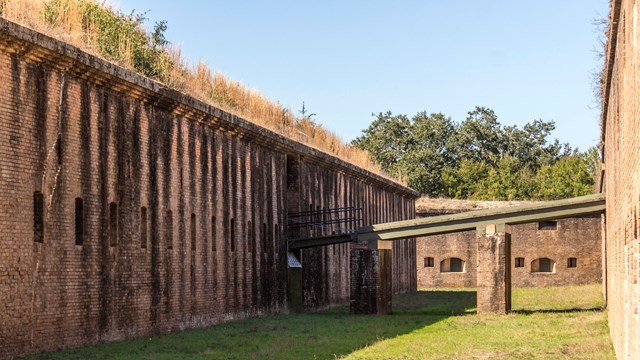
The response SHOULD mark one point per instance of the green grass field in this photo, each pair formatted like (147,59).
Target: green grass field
(552,323)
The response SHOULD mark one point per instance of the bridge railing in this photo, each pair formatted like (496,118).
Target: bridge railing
(342,220)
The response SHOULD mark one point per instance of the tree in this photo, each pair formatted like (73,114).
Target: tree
(507,181)
(569,177)
(428,152)
(386,139)
(466,180)
(157,36)
(479,137)
(478,158)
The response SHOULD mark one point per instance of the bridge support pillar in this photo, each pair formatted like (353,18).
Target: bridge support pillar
(371,280)
(295,296)
(494,269)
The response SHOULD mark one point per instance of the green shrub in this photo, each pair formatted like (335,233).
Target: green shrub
(120,37)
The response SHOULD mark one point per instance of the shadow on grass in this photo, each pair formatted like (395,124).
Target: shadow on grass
(557,311)
(436,302)
(324,334)
(348,333)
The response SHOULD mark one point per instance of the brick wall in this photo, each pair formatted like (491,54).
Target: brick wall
(183,206)
(326,269)
(579,238)
(621,149)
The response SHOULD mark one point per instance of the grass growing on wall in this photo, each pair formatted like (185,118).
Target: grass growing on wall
(99,29)
(429,324)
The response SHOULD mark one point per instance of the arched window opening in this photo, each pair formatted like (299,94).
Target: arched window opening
(454,265)
(543,265)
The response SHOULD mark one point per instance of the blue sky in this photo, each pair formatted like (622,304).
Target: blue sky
(348,59)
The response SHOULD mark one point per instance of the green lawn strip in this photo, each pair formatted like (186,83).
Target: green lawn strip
(558,298)
(279,337)
(548,325)
(577,335)
(427,324)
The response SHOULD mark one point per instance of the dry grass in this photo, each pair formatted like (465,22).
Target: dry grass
(72,25)
(426,204)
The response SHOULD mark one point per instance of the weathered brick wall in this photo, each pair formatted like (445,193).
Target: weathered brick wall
(462,245)
(621,142)
(183,206)
(575,237)
(365,265)
(326,269)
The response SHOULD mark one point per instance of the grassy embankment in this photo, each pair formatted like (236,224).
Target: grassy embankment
(98,28)
(554,323)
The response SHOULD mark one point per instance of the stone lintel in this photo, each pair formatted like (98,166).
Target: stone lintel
(380,244)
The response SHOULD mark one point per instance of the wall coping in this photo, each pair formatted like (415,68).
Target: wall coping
(443,206)
(68,59)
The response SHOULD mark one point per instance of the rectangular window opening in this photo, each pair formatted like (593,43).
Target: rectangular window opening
(548,225)
(168,230)
(428,262)
(38,217)
(519,262)
(59,151)
(572,262)
(193,232)
(79,222)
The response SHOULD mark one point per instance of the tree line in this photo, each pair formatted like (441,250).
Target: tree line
(478,158)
